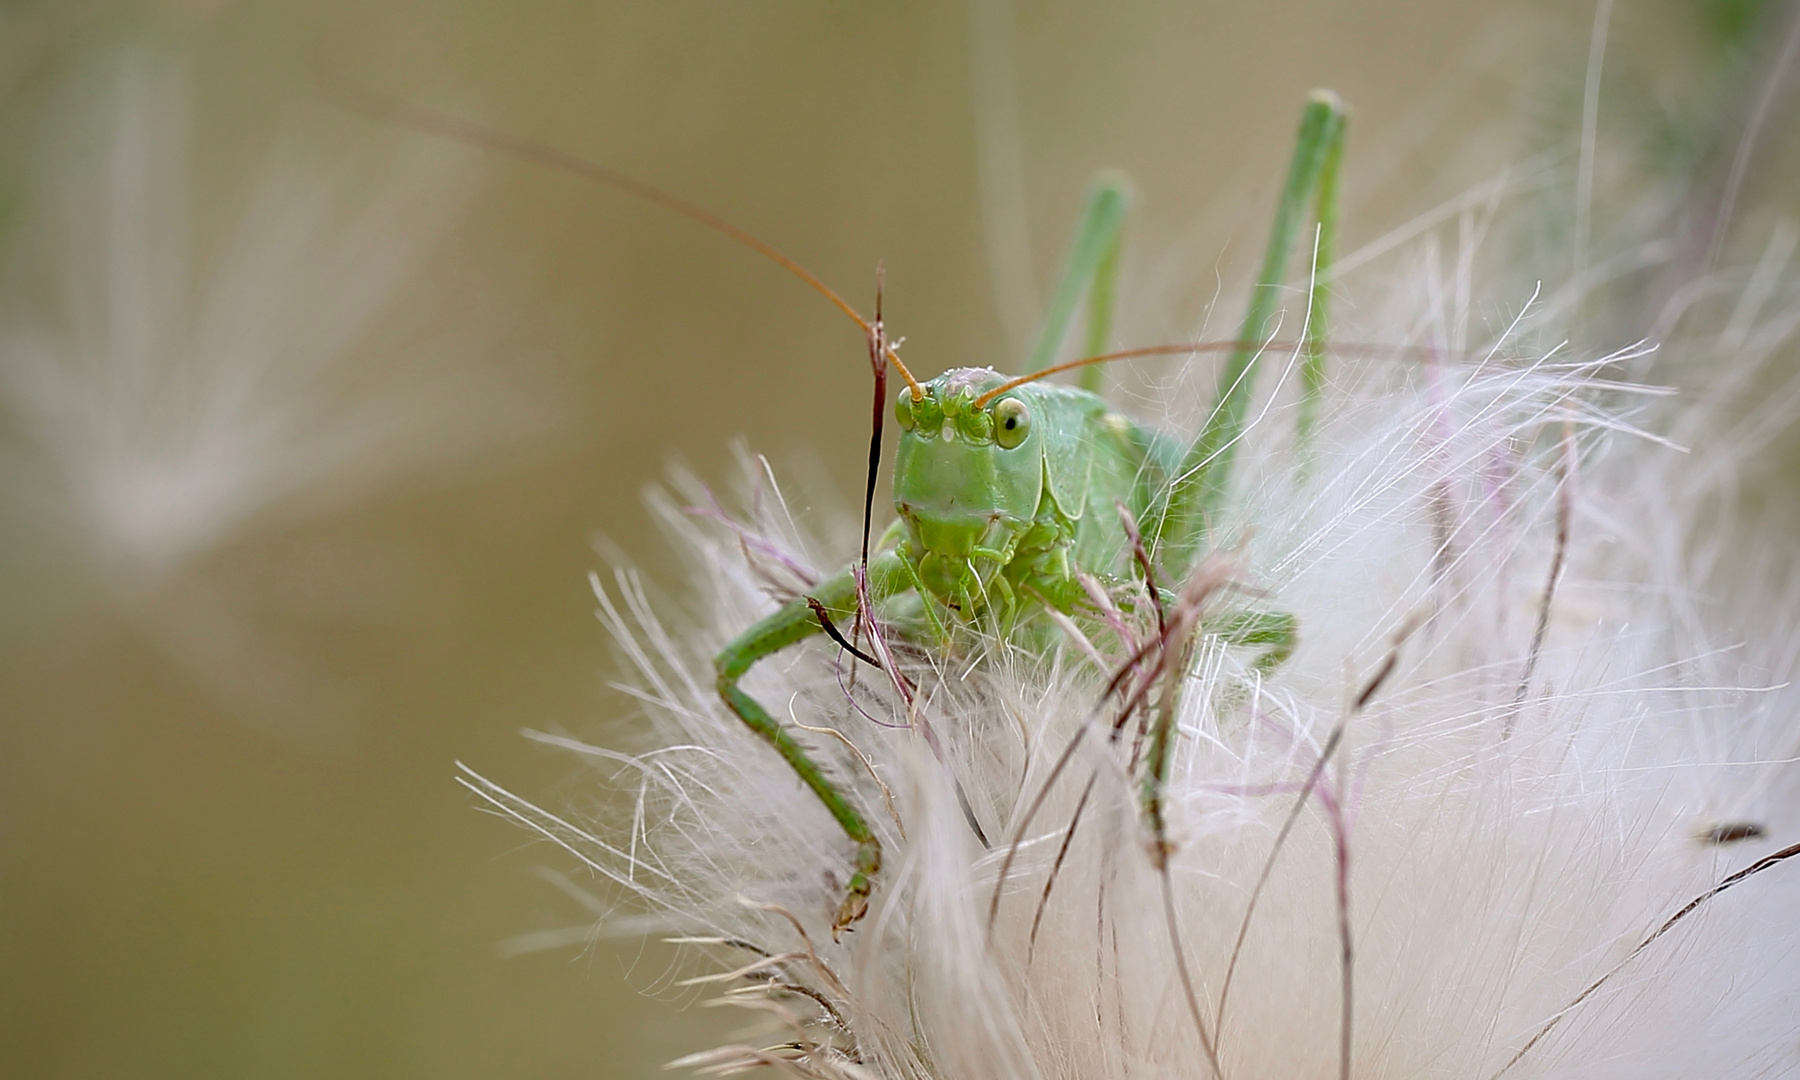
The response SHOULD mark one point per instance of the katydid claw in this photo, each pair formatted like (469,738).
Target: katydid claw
(862,883)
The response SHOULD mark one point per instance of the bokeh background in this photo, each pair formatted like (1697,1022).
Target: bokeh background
(313,426)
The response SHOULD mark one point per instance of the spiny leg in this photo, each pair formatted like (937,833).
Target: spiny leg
(1202,480)
(1090,264)
(793,623)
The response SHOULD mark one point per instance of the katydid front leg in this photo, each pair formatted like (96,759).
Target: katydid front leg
(793,623)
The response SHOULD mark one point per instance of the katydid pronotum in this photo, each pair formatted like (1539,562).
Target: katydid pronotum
(1007,491)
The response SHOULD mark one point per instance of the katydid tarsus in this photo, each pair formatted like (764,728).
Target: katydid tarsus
(1007,490)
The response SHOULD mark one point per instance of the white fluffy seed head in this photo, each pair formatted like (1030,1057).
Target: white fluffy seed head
(1567,748)
(174,396)
(181,376)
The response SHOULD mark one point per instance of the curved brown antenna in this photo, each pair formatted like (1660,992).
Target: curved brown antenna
(405,114)
(1341,348)
(1123,354)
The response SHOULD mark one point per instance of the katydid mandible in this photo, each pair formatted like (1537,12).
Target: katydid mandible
(1004,489)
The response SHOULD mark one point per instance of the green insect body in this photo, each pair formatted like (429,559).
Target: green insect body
(999,504)
(997,508)
(1005,491)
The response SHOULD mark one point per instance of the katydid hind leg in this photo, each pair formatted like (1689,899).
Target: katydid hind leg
(1102,297)
(1324,250)
(1204,476)
(1201,479)
(1090,265)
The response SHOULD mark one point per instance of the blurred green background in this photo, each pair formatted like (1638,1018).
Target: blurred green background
(231,844)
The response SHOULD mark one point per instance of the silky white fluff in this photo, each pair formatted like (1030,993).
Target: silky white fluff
(1516,820)
(181,374)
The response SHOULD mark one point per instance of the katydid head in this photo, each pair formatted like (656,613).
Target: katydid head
(968,478)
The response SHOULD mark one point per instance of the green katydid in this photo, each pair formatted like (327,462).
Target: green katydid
(1004,489)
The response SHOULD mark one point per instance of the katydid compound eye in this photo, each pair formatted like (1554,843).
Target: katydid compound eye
(903,410)
(1011,422)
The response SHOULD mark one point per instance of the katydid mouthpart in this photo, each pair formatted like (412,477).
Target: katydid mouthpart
(1009,490)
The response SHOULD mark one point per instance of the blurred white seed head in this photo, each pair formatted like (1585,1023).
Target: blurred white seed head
(180,375)
(1572,745)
